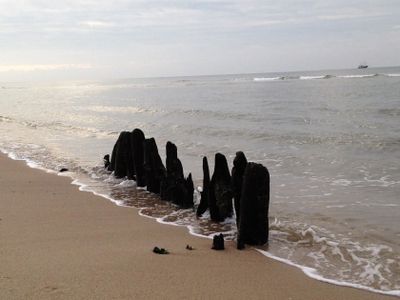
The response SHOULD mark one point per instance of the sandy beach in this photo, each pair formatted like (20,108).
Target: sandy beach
(59,243)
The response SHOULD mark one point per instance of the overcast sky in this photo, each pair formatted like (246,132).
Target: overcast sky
(90,39)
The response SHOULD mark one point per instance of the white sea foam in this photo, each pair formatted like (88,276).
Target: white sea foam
(315,77)
(120,109)
(384,181)
(260,79)
(341,182)
(60,127)
(30,163)
(364,266)
(5,119)
(86,188)
(335,206)
(311,272)
(126,183)
(358,76)
(312,77)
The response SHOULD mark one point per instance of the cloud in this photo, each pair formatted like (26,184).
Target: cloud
(191,36)
(265,23)
(97,24)
(333,17)
(39,67)
(81,15)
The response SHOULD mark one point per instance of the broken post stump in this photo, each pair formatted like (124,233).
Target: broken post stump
(203,206)
(218,242)
(137,146)
(175,187)
(254,206)
(153,167)
(239,166)
(220,192)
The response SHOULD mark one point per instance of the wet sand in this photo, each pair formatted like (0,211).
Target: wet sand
(59,243)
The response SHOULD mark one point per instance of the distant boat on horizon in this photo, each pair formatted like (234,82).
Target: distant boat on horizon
(362,66)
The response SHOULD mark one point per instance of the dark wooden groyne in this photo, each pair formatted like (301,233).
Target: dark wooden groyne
(246,189)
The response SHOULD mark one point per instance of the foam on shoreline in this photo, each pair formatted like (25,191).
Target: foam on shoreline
(310,272)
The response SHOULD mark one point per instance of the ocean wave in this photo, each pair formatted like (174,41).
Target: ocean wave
(324,76)
(12,87)
(393,112)
(316,77)
(218,114)
(60,126)
(79,130)
(358,76)
(332,258)
(102,86)
(313,273)
(5,119)
(120,109)
(392,75)
(261,79)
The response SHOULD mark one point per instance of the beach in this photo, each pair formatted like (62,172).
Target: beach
(145,121)
(328,139)
(57,242)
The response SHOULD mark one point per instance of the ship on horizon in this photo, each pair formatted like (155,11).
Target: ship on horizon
(362,66)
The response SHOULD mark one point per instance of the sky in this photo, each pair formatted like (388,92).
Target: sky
(96,39)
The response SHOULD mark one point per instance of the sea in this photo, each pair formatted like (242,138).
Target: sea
(330,140)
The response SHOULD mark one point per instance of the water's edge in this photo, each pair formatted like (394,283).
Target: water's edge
(310,272)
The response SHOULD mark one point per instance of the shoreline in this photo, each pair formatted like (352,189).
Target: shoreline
(60,242)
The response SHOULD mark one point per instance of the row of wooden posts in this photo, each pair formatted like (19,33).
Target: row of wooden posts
(137,158)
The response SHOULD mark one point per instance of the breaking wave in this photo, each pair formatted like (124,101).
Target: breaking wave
(62,127)
(358,76)
(392,75)
(315,77)
(327,76)
(260,79)
(120,109)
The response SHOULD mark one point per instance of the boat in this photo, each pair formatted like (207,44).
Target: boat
(362,66)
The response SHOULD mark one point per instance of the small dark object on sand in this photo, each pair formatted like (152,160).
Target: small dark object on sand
(188,247)
(218,242)
(160,250)
(63,170)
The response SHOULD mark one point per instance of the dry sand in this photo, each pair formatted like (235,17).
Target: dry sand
(59,243)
